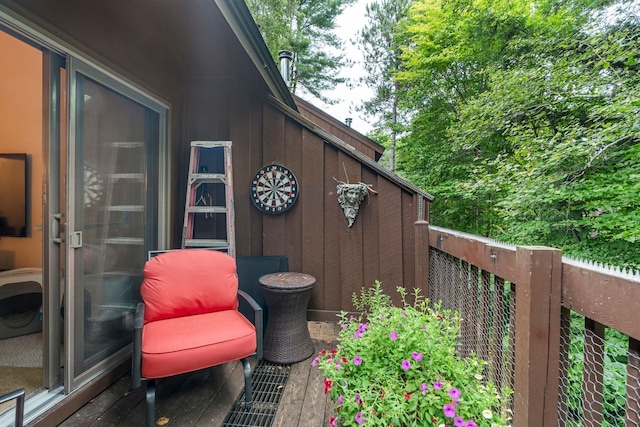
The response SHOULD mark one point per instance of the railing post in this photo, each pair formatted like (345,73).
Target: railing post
(537,336)
(422,257)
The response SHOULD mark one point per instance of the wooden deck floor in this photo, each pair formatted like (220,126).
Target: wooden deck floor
(205,397)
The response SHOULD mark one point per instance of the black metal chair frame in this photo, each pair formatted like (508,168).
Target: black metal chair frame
(19,395)
(136,376)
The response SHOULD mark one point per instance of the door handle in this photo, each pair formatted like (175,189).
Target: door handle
(75,239)
(56,226)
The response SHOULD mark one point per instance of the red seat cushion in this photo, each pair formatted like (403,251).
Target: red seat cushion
(189,343)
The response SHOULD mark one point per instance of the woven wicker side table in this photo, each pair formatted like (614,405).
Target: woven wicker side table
(287,295)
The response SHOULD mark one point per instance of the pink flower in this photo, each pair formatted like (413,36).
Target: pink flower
(333,421)
(406,365)
(449,410)
(458,422)
(394,336)
(359,418)
(454,393)
(340,400)
(357,360)
(470,424)
(437,385)
(416,356)
(315,361)
(424,388)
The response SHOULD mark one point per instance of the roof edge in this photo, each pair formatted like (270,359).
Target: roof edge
(241,22)
(345,127)
(348,149)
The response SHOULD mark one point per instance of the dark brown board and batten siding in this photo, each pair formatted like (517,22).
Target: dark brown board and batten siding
(314,233)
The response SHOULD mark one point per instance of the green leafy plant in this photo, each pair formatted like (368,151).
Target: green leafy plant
(398,366)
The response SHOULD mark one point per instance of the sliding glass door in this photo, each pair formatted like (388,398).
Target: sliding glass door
(116,137)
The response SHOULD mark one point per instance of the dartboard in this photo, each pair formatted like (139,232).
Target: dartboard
(93,186)
(274,189)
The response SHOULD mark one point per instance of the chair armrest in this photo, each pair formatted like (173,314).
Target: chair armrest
(258,320)
(19,395)
(136,357)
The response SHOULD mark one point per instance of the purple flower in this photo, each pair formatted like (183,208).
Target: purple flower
(424,388)
(458,422)
(338,366)
(358,399)
(455,393)
(406,365)
(404,313)
(340,400)
(362,327)
(470,424)
(416,356)
(449,410)
(315,361)
(437,385)
(359,418)
(394,336)
(357,334)
(357,360)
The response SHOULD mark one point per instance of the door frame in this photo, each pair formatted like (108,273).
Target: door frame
(77,66)
(56,54)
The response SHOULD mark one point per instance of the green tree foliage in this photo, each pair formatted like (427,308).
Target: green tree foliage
(381,51)
(525,121)
(304,27)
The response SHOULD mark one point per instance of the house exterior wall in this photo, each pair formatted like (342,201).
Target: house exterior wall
(313,234)
(214,95)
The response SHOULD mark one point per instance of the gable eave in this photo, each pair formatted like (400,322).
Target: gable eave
(243,25)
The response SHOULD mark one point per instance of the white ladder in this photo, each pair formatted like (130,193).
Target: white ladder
(205,207)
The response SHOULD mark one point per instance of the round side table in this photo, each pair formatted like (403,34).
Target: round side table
(287,338)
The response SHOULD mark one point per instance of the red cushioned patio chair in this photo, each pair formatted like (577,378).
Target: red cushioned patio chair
(189,320)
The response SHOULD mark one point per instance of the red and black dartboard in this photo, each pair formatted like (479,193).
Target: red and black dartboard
(274,189)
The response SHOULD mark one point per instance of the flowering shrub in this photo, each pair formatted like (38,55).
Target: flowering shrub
(397,366)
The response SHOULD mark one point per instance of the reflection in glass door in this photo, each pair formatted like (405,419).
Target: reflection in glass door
(115,141)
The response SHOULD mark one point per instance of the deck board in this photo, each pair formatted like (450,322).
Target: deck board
(203,398)
(314,402)
(293,396)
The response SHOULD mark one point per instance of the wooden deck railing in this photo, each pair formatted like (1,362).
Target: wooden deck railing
(520,307)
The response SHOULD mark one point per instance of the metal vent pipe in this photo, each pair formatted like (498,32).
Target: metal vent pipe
(285,56)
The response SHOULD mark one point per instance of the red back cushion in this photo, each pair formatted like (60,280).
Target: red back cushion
(187,282)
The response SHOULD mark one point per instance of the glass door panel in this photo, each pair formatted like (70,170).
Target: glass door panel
(115,141)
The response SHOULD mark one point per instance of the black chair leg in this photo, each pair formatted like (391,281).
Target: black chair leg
(151,403)
(248,398)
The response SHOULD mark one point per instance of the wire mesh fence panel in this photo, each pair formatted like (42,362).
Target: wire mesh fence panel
(599,376)
(486,304)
